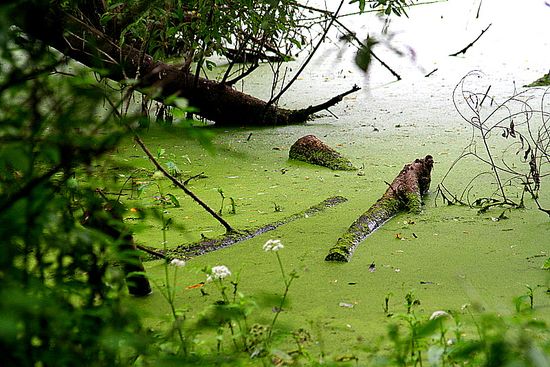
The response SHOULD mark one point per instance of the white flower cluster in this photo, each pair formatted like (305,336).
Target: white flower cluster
(273,245)
(439,314)
(178,263)
(179,35)
(218,272)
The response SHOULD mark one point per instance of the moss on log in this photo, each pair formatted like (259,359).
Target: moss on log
(404,193)
(204,246)
(312,150)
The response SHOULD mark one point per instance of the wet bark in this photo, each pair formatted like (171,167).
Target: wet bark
(312,150)
(404,193)
(215,101)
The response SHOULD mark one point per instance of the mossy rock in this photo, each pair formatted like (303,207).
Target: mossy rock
(312,150)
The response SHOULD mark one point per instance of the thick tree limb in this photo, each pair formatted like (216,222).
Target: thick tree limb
(405,192)
(215,101)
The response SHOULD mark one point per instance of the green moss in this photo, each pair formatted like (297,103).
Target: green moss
(383,210)
(541,82)
(414,202)
(332,160)
(338,255)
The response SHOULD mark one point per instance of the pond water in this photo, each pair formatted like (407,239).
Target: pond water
(448,255)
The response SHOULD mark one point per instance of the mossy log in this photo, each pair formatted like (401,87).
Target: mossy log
(312,150)
(187,251)
(404,193)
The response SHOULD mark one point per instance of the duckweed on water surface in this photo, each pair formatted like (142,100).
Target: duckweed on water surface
(448,255)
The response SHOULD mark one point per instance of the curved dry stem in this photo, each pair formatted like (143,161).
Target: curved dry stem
(523,162)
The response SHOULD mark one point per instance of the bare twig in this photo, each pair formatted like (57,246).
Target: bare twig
(150,251)
(306,62)
(521,164)
(352,35)
(159,167)
(463,51)
(430,73)
(323,106)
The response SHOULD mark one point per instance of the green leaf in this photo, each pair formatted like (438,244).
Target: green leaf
(363,57)
(173,200)
(160,152)
(106,18)
(362,4)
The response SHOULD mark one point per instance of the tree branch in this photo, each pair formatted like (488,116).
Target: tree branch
(309,111)
(306,62)
(215,101)
(463,51)
(159,167)
(352,34)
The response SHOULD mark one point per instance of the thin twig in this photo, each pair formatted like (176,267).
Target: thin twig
(200,175)
(463,51)
(159,167)
(306,62)
(306,112)
(151,251)
(430,73)
(352,34)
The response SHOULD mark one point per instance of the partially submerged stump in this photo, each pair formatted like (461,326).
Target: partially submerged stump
(404,193)
(312,150)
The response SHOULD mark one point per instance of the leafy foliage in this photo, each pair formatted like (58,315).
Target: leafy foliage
(60,298)
(199,28)
(386,7)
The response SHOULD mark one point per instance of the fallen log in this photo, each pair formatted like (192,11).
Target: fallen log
(214,101)
(312,150)
(206,245)
(404,193)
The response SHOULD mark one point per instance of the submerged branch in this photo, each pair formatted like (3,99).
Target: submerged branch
(211,244)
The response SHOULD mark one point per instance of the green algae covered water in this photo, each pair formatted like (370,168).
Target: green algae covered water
(449,256)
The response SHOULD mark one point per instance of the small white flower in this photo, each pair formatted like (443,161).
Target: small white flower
(218,272)
(273,245)
(179,35)
(178,263)
(439,314)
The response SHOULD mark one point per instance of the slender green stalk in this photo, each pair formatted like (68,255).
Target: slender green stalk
(287,282)
(170,293)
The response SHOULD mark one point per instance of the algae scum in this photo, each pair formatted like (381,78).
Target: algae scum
(447,256)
